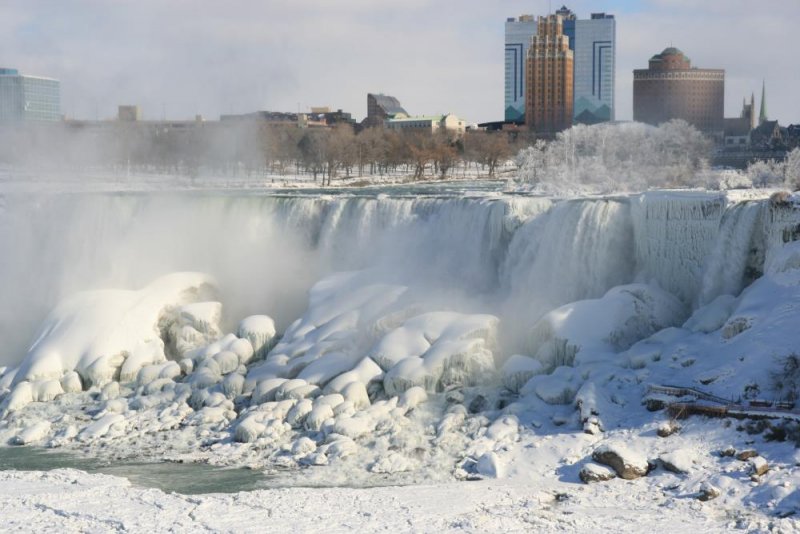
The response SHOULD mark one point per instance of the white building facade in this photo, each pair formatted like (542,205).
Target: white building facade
(431,124)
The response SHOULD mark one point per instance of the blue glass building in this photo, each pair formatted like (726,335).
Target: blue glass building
(595,55)
(28,98)
(518,39)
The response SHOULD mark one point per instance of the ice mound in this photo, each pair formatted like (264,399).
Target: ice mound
(597,328)
(94,333)
(517,370)
(194,325)
(786,258)
(437,349)
(330,338)
(712,316)
(260,331)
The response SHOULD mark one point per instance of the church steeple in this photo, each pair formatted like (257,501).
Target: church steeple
(762,116)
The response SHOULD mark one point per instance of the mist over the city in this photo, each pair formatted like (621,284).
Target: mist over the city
(413,266)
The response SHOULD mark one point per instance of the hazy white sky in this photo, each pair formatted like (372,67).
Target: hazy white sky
(183,57)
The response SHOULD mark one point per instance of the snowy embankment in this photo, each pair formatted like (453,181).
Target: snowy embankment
(507,338)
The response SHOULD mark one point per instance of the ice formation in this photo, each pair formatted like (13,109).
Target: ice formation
(95,333)
(459,337)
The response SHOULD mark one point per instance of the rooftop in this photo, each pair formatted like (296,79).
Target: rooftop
(389,104)
(670,51)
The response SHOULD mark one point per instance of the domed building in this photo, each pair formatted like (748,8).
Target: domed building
(670,88)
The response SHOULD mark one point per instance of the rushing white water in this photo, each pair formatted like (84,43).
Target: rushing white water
(516,256)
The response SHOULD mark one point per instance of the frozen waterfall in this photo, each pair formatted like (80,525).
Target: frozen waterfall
(508,255)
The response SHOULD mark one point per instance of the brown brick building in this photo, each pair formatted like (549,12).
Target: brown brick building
(548,102)
(671,89)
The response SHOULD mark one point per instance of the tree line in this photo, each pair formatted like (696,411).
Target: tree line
(249,147)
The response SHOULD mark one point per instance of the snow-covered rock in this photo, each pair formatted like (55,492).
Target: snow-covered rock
(758,465)
(71,382)
(627,463)
(679,461)
(592,472)
(33,433)
(490,465)
(412,397)
(249,429)
(111,423)
(46,390)
(20,396)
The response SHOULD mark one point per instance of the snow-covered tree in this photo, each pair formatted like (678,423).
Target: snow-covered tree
(766,173)
(792,169)
(614,157)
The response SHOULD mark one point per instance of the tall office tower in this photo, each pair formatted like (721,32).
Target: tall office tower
(670,88)
(595,53)
(519,33)
(549,77)
(28,98)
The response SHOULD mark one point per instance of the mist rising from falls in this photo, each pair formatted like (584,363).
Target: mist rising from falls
(514,256)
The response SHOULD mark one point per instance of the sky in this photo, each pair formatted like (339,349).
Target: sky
(179,58)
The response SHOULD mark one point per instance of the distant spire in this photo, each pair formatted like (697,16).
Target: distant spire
(762,116)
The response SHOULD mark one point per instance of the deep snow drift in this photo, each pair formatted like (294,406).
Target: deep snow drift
(374,340)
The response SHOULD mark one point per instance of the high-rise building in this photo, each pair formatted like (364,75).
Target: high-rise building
(549,97)
(593,42)
(670,88)
(519,33)
(28,98)
(595,53)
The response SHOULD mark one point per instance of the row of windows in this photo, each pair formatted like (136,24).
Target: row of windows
(699,76)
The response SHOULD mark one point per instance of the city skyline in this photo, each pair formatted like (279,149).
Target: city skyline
(265,55)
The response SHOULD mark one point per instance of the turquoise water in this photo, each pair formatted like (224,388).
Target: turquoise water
(185,478)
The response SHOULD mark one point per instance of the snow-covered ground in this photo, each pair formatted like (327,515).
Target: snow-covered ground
(72,501)
(479,362)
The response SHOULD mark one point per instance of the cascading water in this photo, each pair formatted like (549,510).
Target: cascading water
(726,269)
(514,256)
(578,250)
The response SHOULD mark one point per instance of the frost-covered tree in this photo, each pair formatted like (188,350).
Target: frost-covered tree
(766,173)
(614,157)
(792,169)
(532,163)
